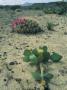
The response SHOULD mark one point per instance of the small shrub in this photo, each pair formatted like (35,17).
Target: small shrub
(48,10)
(18,10)
(25,26)
(50,26)
(59,11)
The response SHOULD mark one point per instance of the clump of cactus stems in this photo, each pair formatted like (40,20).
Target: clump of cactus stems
(27,26)
(40,57)
(50,26)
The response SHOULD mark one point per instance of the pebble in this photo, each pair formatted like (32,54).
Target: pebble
(5,53)
(13,63)
(5,80)
(65,33)
(23,70)
(63,71)
(10,44)
(12,71)
(18,80)
(0,70)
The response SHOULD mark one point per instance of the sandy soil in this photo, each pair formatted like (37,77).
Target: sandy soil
(18,75)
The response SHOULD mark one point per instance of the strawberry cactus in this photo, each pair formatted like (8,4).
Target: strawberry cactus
(22,25)
(40,58)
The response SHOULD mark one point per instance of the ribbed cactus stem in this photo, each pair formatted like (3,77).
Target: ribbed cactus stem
(42,77)
(42,70)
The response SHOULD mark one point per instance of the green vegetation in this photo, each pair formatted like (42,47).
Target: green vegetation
(50,26)
(59,7)
(55,57)
(57,10)
(40,58)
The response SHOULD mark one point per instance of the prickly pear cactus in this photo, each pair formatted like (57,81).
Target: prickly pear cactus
(40,58)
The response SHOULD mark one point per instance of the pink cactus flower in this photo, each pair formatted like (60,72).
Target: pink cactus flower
(18,21)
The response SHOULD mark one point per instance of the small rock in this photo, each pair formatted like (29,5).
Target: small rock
(18,80)
(13,63)
(23,70)
(12,71)
(19,63)
(5,53)
(10,44)
(16,47)
(5,80)
(27,46)
(24,43)
(63,71)
(0,70)
(0,55)
(65,33)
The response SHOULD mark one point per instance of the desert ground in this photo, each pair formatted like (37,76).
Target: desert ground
(16,75)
